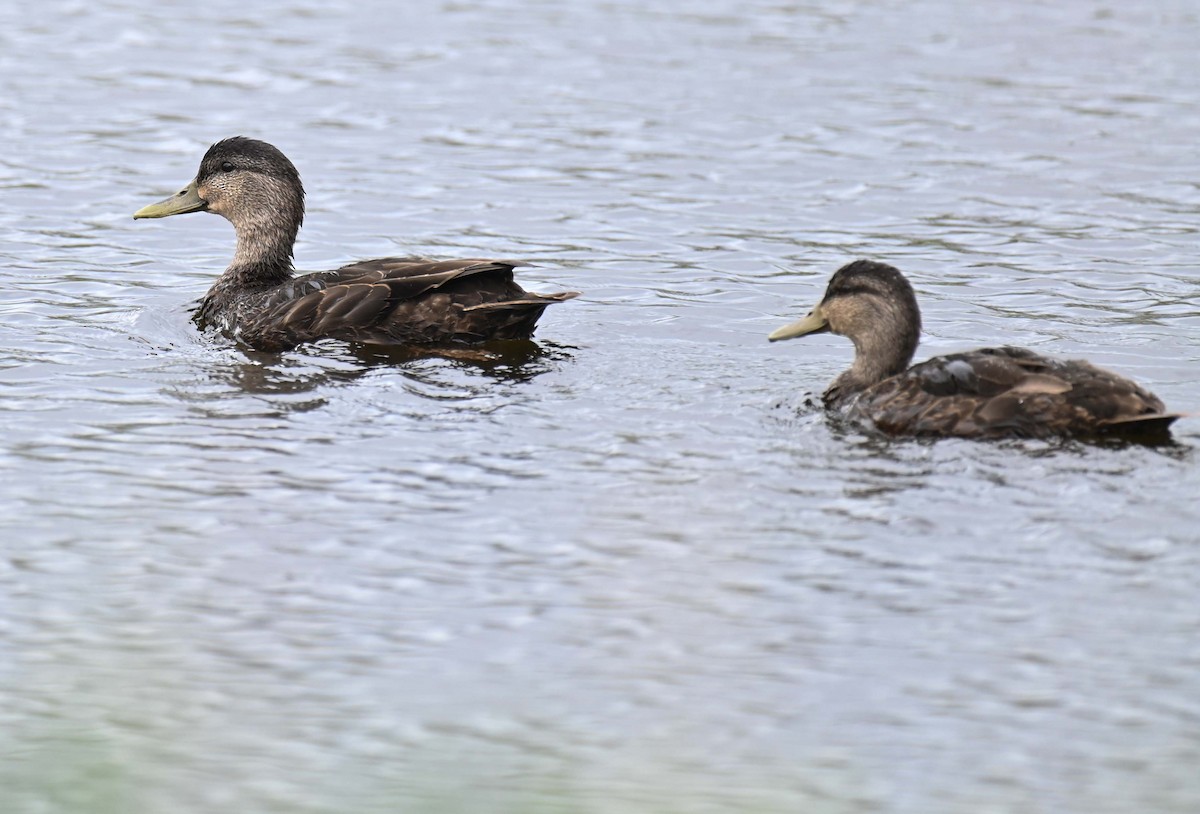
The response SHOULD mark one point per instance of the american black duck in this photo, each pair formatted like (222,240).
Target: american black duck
(988,393)
(392,301)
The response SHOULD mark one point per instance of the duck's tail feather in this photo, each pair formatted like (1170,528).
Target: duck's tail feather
(530,300)
(1152,424)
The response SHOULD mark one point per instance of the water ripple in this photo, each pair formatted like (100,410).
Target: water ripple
(632,567)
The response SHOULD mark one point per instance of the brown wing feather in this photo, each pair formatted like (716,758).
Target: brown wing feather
(334,311)
(411,277)
(350,307)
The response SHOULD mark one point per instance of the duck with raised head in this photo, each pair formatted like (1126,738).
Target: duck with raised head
(1002,392)
(391,301)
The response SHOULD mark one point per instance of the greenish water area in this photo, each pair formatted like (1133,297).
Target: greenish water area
(633,569)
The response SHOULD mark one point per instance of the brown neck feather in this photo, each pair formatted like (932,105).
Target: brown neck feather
(264,254)
(884,345)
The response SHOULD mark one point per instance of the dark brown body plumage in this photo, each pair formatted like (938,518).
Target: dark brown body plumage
(391,301)
(1006,393)
(1002,392)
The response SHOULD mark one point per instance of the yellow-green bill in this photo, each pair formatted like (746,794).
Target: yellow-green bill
(187,200)
(814,323)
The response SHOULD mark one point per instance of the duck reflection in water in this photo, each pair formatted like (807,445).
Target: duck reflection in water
(324,368)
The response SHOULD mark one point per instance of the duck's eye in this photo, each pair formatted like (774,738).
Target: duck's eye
(226,166)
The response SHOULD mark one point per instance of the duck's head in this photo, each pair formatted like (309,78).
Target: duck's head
(248,182)
(871,304)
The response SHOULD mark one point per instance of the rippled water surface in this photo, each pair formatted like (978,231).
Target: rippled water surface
(634,571)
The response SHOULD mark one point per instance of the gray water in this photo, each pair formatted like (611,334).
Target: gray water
(636,571)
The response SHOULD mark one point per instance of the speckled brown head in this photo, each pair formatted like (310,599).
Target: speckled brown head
(871,304)
(252,185)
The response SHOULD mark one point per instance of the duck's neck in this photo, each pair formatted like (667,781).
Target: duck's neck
(878,354)
(263,257)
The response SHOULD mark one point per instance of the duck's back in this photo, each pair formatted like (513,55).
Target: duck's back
(1008,393)
(393,300)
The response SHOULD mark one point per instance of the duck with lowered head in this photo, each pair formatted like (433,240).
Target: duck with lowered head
(1002,392)
(391,301)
